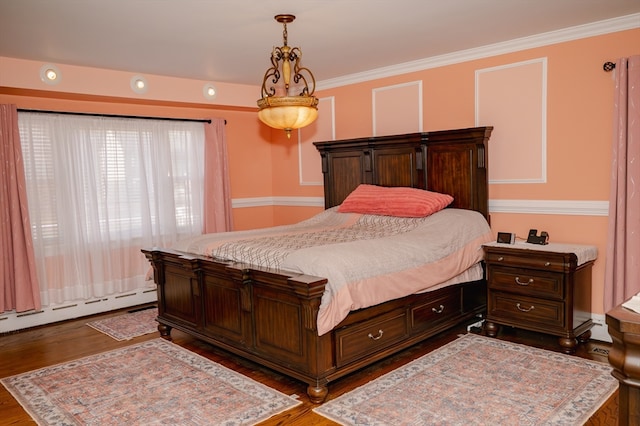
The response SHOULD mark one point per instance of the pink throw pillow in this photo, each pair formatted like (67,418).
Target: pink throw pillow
(394,201)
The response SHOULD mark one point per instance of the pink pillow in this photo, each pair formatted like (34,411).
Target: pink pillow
(394,201)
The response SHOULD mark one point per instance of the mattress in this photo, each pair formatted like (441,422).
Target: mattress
(367,259)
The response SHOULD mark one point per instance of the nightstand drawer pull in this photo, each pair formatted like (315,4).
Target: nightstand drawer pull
(378,337)
(438,310)
(523,283)
(500,259)
(523,309)
(547,263)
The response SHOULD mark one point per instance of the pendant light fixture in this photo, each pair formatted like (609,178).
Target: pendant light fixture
(287,88)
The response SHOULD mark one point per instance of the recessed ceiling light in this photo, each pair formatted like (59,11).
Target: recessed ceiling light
(50,74)
(209,91)
(139,84)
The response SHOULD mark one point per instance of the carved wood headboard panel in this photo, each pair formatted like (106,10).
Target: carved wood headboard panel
(449,161)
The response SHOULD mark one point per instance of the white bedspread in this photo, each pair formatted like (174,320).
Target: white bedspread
(367,259)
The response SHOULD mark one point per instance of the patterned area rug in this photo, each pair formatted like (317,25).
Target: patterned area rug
(129,325)
(155,382)
(477,380)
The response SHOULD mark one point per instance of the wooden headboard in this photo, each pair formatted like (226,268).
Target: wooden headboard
(450,161)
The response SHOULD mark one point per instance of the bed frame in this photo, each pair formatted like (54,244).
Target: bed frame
(270,317)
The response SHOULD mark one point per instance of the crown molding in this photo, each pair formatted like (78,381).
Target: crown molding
(607,26)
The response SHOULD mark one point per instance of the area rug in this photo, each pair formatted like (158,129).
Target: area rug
(150,383)
(129,325)
(477,380)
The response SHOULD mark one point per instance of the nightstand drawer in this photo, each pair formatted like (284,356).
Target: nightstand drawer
(519,259)
(523,311)
(526,281)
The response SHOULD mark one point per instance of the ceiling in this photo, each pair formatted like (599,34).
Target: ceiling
(231,40)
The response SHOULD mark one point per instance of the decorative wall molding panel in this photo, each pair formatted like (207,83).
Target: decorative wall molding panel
(323,129)
(397,109)
(518,151)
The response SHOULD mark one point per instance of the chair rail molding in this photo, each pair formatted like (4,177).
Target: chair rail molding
(560,207)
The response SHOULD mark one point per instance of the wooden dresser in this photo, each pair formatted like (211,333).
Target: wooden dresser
(624,357)
(543,288)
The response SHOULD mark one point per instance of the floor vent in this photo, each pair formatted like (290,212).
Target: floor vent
(600,351)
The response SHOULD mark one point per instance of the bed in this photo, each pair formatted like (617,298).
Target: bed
(275,315)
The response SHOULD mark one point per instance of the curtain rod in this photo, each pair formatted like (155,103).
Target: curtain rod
(610,66)
(203,120)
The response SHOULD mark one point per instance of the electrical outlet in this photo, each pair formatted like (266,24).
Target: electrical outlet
(475,325)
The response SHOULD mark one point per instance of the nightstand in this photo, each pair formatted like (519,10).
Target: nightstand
(542,288)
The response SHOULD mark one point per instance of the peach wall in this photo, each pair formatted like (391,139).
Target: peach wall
(253,218)
(247,138)
(579,125)
(286,176)
(265,164)
(25,74)
(287,215)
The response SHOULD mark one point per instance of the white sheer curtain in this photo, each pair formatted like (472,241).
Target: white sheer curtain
(99,190)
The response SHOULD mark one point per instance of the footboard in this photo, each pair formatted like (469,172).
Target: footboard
(263,315)
(270,317)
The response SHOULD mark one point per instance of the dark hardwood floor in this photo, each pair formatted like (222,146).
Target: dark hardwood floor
(43,346)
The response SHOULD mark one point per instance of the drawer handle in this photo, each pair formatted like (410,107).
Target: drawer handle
(523,283)
(378,337)
(438,310)
(547,263)
(523,309)
(500,259)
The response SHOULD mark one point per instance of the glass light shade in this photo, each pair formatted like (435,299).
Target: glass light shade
(280,107)
(288,112)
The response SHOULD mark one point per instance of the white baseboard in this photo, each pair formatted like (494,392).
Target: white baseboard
(12,321)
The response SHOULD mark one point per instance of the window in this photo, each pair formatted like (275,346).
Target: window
(101,188)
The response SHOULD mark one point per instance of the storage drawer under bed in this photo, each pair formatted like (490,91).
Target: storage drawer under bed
(437,310)
(367,337)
